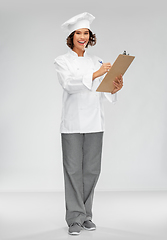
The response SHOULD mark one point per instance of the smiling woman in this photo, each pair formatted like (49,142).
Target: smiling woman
(92,39)
(82,124)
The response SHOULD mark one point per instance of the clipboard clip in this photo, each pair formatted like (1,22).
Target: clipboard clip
(124,53)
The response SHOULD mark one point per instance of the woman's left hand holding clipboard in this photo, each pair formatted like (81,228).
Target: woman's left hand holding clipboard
(118,83)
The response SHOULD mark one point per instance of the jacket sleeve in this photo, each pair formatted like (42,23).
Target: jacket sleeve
(111,97)
(68,81)
(108,96)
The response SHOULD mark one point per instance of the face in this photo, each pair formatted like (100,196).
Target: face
(81,38)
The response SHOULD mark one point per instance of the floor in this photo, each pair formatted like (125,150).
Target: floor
(118,216)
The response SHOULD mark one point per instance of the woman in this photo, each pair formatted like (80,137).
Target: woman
(82,124)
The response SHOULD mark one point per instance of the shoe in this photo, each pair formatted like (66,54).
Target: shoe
(89,225)
(74,229)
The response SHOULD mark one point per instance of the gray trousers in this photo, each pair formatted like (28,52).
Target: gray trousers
(81,165)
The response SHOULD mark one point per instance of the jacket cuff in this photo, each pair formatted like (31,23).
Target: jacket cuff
(87,80)
(111,97)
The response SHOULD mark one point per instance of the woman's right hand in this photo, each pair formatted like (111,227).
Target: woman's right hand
(105,67)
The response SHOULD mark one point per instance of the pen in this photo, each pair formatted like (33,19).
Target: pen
(100,62)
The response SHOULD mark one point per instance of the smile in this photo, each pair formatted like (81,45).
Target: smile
(82,42)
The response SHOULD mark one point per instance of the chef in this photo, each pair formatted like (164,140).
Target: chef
(82,122)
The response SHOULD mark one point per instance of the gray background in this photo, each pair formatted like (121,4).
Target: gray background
(135,152)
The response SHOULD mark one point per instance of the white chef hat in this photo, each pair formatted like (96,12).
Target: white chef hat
(82,20)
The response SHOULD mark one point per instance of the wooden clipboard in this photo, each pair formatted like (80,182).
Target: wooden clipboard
(119,67)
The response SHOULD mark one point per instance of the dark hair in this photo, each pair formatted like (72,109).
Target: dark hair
(92,40)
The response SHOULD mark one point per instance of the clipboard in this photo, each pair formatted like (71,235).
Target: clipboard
(119,67)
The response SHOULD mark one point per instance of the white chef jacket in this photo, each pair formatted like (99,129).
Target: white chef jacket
(82,107)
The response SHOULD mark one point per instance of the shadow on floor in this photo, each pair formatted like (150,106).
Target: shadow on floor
(99,234)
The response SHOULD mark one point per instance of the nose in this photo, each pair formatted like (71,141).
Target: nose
(82,36)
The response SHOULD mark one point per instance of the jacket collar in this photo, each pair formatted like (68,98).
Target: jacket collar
(74,54)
